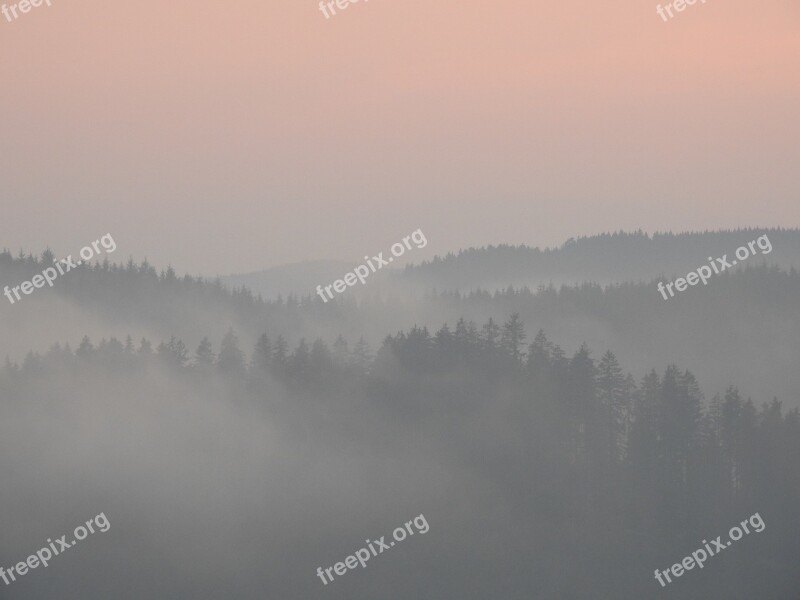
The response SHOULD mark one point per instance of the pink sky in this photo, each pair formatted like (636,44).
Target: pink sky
(223,137)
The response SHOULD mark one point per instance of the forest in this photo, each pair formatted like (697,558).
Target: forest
(581,441)
(562,438)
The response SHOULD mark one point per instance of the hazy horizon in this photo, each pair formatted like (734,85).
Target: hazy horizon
(291,281)
(196,134)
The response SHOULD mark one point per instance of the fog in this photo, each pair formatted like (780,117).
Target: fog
(225,480)
(514,379)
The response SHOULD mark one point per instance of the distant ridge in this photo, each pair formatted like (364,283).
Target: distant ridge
(605,258)
(299,279)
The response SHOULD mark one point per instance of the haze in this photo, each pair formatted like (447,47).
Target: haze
(197,132)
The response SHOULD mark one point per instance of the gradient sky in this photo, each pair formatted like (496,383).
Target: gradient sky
(230,137)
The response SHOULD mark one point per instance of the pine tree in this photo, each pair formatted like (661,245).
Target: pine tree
(489,335)
(582,404)
(461,335)
(231,359)
(298,365)
(341,353)
(320,360)
(539,355)
(730,415)
(611,393)
(362,356)
(204,357)
(262,356)
(85,350)
(513,337)
(145,349)
(280,359)
(174,353)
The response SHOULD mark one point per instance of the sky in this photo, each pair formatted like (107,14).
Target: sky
(232,137)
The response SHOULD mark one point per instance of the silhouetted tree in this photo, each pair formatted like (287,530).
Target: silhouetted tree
(262,356)
(513,337)
(231,359)
(204,357)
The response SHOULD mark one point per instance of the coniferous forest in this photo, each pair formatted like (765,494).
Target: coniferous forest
(550,471)
(399,300)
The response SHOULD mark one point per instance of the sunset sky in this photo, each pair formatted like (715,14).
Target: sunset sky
(230,137)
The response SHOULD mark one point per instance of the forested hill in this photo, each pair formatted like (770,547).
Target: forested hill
(559,451)
(751,313)
(605,258)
